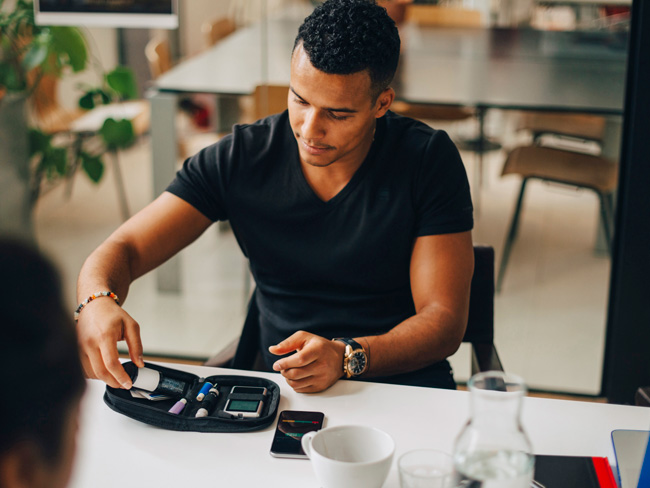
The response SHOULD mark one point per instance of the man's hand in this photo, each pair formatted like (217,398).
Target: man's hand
(102,324)
(316,365)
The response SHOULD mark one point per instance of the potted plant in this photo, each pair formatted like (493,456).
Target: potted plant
(28,53)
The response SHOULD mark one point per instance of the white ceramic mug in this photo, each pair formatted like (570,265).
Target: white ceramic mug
(350,456)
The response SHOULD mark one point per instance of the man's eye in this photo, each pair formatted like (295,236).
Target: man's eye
(339,117)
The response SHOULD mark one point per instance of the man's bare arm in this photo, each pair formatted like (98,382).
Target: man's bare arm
(145,241)
(441,274)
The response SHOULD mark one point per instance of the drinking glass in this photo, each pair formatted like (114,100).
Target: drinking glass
(425,468)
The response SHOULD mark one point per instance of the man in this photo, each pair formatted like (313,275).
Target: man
(356,223)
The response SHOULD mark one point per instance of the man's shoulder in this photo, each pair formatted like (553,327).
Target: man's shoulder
(254,141)
(411,134)
(270,127)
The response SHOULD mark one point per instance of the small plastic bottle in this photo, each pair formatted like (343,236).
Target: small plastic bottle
(156,382)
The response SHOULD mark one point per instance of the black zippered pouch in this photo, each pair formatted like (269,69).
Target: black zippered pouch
(156,412)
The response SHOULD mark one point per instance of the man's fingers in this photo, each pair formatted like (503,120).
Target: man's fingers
(87,367)
(296,374)
(301,385)
(114,366)
(300,359)
(99,368)
(292,343)
(134,342)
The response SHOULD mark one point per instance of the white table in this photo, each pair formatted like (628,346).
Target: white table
(117,451)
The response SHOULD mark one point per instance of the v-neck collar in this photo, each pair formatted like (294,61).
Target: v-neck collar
(357,177)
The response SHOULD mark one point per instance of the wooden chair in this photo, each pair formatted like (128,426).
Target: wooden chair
(159,56)
(579,126)
(269,100)
(564,167)
(215,30)
(243,352)
(442,16)
(52,117)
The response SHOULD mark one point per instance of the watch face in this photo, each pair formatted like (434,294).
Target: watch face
(357,362)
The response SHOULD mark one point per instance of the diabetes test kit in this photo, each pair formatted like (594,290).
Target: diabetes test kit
(178,400)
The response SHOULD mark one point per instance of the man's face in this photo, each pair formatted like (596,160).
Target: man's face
(332,116)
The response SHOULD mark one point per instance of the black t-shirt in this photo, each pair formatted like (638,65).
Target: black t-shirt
(338,268)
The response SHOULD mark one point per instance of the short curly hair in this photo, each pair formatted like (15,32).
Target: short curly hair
(348,36)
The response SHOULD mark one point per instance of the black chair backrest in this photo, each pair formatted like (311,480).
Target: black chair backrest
(249,341)
(480,323)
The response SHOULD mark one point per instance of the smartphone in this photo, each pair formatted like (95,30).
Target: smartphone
(292,425)
(245,401)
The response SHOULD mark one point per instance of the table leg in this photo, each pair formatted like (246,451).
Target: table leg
(164,150)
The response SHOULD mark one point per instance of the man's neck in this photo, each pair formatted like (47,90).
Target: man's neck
(328,181)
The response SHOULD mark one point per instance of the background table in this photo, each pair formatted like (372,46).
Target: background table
(483,68)
(117,451)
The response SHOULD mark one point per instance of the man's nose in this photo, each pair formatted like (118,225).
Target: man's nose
(312,126)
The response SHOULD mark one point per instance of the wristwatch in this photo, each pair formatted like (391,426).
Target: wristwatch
(355,358)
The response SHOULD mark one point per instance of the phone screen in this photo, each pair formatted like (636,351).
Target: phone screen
(292,425)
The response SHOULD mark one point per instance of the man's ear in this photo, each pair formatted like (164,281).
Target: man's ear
(20,467)
(384,101)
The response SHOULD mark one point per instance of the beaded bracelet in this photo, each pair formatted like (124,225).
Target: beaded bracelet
(91,298)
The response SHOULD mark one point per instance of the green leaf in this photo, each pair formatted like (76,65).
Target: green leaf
(59,159)
(87,101)
(54,161)
(69,42)
(106,99)
(35,56)
(117,133)
(93,166)
(122,81)
(38,142)
(10,78)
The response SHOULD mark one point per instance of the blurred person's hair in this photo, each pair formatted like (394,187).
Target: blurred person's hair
(343,37)
(42,376)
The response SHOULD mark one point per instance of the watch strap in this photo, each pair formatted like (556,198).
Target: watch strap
(350,342)
(351,346)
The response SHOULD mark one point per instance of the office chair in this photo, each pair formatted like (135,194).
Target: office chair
(243,352)
(563,167)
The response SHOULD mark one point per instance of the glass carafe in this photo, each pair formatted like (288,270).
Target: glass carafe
(492,450)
